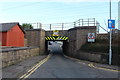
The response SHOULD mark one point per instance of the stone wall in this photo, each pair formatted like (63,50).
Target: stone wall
(115,37)
(42,42)
(82,35)
(36,37)
(95,57)
(33,36)
(25,42)
(77,38)
(70,47)
(103,36)
(14,55)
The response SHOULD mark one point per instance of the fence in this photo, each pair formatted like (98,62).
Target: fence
(66,26)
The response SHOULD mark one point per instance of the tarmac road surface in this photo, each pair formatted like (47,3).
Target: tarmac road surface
(60,67)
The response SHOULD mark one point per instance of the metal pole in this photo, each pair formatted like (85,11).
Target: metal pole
(74,24)
(98,25)
(88,21)
(110,9)
(79,22)
(82,22)
(40,25)
(50,27)
(37,25)
(94,21)
(110,50)
(62,25)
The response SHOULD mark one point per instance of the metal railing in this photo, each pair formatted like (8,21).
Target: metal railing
(57,26)
(66,26)
(85,22)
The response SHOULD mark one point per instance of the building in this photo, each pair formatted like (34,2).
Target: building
(119,15)
(11,35)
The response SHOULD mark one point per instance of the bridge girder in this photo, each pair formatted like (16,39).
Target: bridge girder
(56,38)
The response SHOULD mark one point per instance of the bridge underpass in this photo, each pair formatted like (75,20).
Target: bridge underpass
(55,47)
(51,41)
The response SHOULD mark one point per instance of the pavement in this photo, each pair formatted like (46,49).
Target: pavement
(112,67)
(15,71)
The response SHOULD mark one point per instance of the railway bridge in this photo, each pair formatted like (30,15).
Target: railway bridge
(73,35)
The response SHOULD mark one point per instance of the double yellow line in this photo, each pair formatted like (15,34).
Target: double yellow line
(33,69)
(92,65)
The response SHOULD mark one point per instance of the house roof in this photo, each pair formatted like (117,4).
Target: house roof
(4,27)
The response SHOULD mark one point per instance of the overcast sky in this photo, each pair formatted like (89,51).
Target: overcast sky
(57,11)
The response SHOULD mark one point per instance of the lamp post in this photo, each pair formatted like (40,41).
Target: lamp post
(110,50)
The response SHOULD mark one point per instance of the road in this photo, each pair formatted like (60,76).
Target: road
(60,67)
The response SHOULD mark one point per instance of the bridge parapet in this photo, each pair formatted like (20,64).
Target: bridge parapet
(62,27)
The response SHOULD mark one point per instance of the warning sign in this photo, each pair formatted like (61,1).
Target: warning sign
(55,33)
(91,37)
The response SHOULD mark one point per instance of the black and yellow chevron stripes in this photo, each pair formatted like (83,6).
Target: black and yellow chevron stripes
(56,38)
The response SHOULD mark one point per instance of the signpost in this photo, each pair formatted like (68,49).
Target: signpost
(111,25)
(91,37)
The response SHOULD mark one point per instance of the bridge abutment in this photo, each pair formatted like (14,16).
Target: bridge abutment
(36,37)
(77,38)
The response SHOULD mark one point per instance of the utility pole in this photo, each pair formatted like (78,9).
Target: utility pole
(110,49)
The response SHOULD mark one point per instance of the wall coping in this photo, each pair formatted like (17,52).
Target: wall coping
(98,53)
(35,30)
(83,27)
(53,30)
(16,48)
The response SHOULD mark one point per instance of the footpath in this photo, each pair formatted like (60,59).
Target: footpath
(15,71)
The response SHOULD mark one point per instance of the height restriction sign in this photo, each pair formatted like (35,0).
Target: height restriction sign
(91,37)
(55,33)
